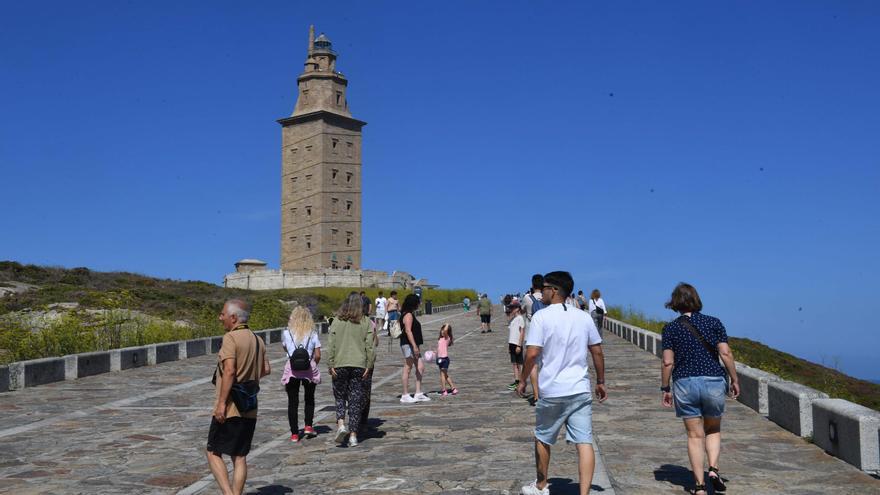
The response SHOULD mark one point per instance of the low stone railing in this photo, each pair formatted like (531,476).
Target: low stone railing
(36,372)
(844,429)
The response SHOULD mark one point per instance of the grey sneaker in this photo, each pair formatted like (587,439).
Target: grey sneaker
(532,489)
(341,433)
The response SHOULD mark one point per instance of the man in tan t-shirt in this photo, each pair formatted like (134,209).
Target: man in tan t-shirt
(242,357)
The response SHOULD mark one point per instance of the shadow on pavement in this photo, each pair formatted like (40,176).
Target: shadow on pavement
(675,474)
(272,490)
(567,486)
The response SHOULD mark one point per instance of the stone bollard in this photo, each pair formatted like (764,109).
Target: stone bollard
(848,431)
(790,406)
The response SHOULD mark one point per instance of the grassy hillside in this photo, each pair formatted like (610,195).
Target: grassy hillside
(118,309)
(789,367)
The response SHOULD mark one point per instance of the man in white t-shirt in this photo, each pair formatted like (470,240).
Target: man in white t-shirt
(381,304)
(531,304)
(559,337)
(516,332)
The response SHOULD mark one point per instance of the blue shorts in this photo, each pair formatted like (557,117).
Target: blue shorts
(699,396)
(443,363)
(573,411)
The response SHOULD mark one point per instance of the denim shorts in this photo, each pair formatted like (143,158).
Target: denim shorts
(699,396)
(443,363)
(573,411)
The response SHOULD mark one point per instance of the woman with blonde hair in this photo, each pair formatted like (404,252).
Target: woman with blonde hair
(350,357)
(301,334)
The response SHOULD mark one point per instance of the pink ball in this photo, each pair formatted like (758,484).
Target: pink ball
(429,355)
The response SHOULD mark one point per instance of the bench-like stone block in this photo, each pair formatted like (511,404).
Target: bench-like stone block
(753,387)
(134,357)
(658,346)
(642,340)
(216,344)
(70,366)
(848,431)
(4,379)
(42,371)
(92,363)
(649,343)
(197,347)
(275,336)
(167,352)
(790,406)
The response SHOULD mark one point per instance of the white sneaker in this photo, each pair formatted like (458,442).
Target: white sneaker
(421,398)
(532,489)
(341,433)
(352,442)
(407,399)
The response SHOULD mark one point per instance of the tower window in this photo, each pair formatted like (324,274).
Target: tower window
(333,233)
(309,182)
(293,239)
(334,205)
(293,214)
(308,242)
(333,143)
(309,148)
(348,207)
(338,98)
(348,177)
(309,211)
(348,238)
(349,147)
(333,174)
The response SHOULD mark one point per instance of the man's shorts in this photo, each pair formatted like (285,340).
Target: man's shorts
(380,314)
(393,315)
(485,319)
(699,396)
(232,437)
(515,357)
(573,411)
(443,363)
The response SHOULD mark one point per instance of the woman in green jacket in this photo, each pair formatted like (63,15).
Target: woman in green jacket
(350,356)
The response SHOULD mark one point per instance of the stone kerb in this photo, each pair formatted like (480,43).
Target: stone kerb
(848,431)
(753,387)
(790,406)
(36,372)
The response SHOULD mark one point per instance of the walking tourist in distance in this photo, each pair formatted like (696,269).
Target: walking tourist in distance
(303,348)
(692,344)
(368,305)
(597,309)
(561,336)
(443,344)
(516,328)
(393,308)
(581,301)
(410,340)
(381,304)
(531,304)
(466,303)
(484,309)
(350,358)
(242,360)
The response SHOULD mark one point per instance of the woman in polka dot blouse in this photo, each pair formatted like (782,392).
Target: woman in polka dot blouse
(692,345)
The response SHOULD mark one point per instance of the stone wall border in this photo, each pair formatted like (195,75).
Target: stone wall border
(35,372)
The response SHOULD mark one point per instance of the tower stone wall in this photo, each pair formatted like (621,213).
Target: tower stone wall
(321,169)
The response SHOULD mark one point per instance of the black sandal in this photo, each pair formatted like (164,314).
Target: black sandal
(698,488)
(717,482)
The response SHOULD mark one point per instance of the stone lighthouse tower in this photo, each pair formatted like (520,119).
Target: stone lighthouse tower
(321,169)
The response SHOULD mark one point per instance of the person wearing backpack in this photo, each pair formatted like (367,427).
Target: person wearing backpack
(303,348)
(597,309)
(530,305)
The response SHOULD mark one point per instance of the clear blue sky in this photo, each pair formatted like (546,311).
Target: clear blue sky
(733,145)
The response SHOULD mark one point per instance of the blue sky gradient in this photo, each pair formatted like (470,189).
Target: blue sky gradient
(733,145)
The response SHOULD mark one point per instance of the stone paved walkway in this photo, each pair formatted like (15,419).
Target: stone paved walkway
(143,431)
(645,447)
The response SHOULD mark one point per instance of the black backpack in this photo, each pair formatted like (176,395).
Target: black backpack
(300,360)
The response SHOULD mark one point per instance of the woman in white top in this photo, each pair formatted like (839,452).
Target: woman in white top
(301,332)
(597,309)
